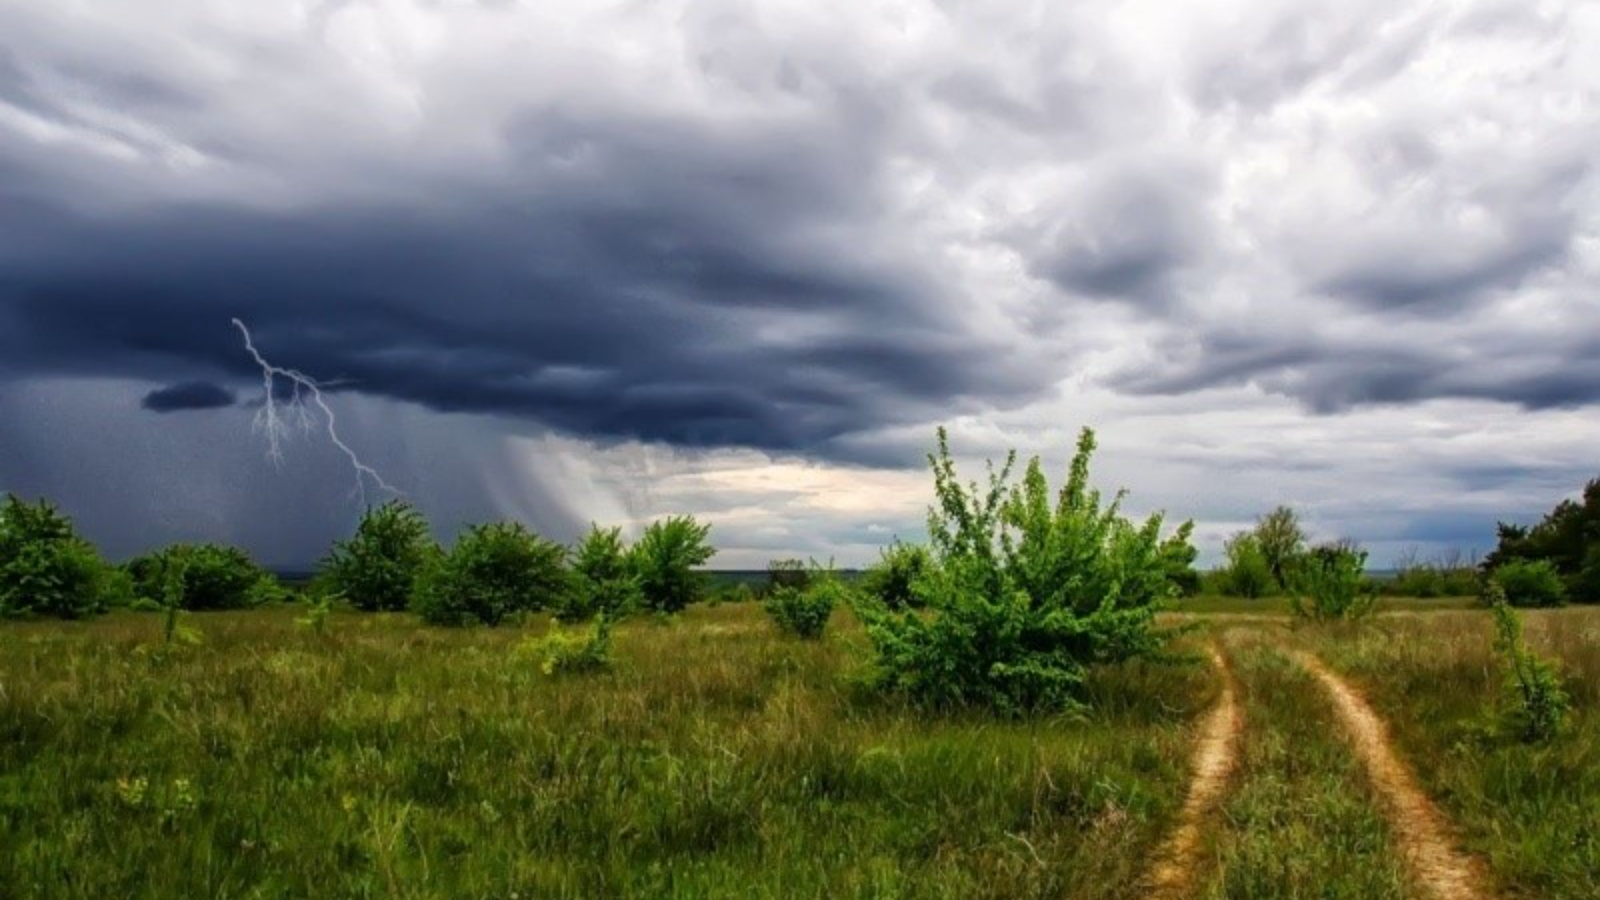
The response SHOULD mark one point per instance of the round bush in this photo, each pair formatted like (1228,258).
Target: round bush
(493,571)
(1531,582)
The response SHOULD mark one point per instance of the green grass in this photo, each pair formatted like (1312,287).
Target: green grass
(1301,820)
(1212,604)
(1532,813)
(716,759)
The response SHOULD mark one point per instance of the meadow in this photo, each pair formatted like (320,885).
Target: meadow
(717,758)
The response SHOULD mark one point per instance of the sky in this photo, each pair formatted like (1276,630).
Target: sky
(598,262)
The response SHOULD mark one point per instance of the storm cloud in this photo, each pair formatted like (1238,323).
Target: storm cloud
(685,234)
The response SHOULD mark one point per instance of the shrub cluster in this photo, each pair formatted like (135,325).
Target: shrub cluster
(802,609)
(201,577)
(376,569)
(1568,539)
(46,569)
(1021,593)
(1327,582)
(889,581)
(1530,582)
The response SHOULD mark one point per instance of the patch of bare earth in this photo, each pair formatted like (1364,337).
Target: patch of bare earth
(1421,829)
(1214,760)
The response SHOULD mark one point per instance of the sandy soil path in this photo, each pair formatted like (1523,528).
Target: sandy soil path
(1215,757)
(1421,829)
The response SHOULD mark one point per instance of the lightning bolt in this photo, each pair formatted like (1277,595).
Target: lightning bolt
(277,420)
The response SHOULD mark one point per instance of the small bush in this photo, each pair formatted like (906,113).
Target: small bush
(562,652)
(1538,705)
(665,559)
(604,580)
(1178,554)
(804,611)
(200,577)
(494,571)
(377,568)
(891,581)
(1023,592)
(1327,582)
(1530,583)
(46,569)
(1247,572)
(787,573)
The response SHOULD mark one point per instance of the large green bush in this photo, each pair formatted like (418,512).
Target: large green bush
(890,579)
(1528,582)
(377,568)
(46,569)
(494,571)
(665,559)
(1568,538)
(604,580)
(1022,593)
(201,577)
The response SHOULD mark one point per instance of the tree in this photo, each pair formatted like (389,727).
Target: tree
(665,559)
(1281,540)
(377,568)
(1530,582)
(605,582)
(494,571)
(46,569)
(1568,538)
(1178,554)
(1022,594)
(892,579)
(1328,583)
(803,609)
(1246,573)
(201,577)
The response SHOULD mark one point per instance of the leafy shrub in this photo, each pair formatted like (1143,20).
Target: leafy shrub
(562,652)
(891,580)
(1282,543)
(1568,538)
(493,571)
(1246,573)
(1530,583)
(377,568)
(665,558)
(1328,582)
(1178,554)
(804,611)
(46,569)
(1538,703)
(604,582)
(203,577)
(787,573)
(1022,594)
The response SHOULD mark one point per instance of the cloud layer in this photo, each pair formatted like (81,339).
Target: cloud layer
(812,235)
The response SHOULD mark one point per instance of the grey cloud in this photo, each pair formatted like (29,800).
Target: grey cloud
(187,395)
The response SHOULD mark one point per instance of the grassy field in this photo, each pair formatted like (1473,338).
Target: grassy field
(718,759)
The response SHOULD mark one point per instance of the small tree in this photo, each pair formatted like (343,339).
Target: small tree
(1282,541)
(1246,573)
(787,573)
(493,571)
(604,580)
(1328,583)
(890,579)
(1178,554)
(1539,704)
(46,569)
(1022,594)
(665,559)
(377,568)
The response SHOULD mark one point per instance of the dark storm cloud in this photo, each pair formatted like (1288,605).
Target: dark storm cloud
(658,290)
(188,395)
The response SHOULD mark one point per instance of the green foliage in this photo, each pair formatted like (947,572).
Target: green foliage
(803,611)
(604,583)
(1527,582)
(1178,554)
(1568,538)
(892,579)
(318,611)
(1246,572)
(787,573)
(665,559)
(1327,582)
(561,652)
(1447,575)
(1282,542)
(46,569)
(494,571)
(203,577)
(1022,594)
(377,568)
(1538,703)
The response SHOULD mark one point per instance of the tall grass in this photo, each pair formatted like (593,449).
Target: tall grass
(714,759)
